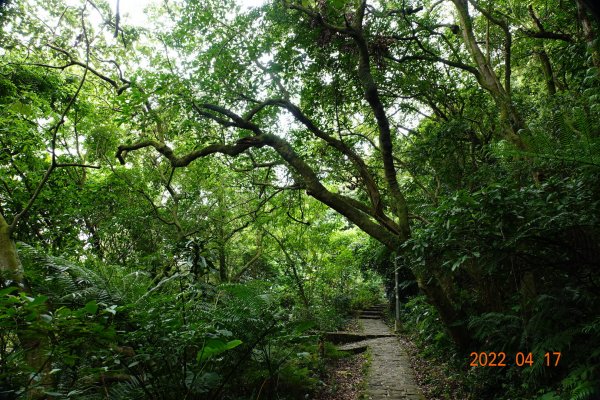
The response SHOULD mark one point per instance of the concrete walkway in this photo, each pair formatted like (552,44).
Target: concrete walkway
(390,375)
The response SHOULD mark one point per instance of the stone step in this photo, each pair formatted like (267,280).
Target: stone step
(348,337)
(378,308)
(355,347)
(371,312)
(369,317)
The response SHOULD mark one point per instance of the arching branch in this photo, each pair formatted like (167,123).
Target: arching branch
(372,96)
(232,150)
(337,144)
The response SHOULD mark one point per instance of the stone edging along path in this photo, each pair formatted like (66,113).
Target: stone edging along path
(390,374)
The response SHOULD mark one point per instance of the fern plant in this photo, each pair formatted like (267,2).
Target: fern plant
(582,383)
(567,130)
(71,283)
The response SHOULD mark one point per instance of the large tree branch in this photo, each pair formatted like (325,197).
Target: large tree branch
(310,180)
(360,15)
(232,150)
(455,64)
(507,42)
(239,121)
(73,61)
(335,201)
(405,166)
(372,97)
(371,94)
(339,145)
(488,15)
(488,78)
(510,117)
(548,35)
(542,33)
(403,11)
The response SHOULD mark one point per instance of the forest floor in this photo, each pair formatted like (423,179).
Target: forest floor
(344,378)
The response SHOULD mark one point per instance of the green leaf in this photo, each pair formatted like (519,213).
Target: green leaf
(8,290)
(339,4)
(213,347)
(37,300)
(91,307)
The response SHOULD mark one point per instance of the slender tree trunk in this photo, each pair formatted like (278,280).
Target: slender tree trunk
(543,56)
(547,70)
(11,271)
(95,237)
(222,241)
(371,94)
(588,33)
(33,343)
(294,275)
(223,275)
(300,285)
(510,118)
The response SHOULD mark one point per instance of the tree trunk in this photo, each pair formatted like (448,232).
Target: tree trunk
(371,94)
(32,342)
(451,318)
(222,240)
(547,70)
(509,116)
(11,271)
(223,275)
(588,33)
(299,284)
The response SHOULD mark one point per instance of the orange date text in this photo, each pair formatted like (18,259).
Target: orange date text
(520,359)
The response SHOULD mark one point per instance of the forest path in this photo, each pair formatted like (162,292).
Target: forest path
(390,374)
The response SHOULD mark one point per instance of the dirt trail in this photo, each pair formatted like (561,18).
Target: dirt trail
(390,375)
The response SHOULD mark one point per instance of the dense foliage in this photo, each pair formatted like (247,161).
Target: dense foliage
(185,206)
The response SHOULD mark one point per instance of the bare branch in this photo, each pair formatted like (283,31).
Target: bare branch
(403,11)
(73,61)
(232,150)
(307,223)
(275,78)
(235,120)
(64,165)
(156,209)
(339,145)
(542,33)
(455,64)
(548,35)
(249,264)
(256,165)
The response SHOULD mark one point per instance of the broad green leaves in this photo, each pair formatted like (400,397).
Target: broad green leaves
(213,347)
